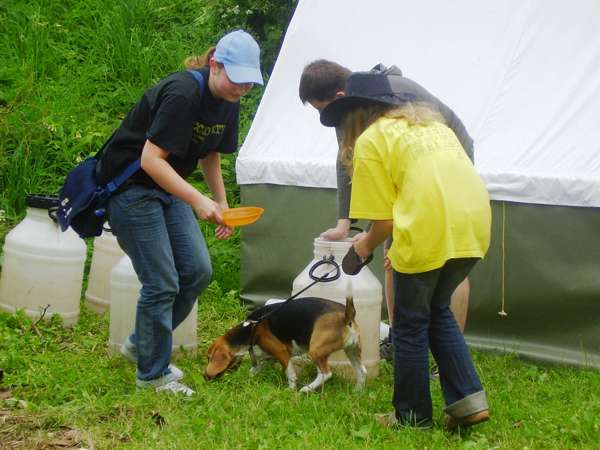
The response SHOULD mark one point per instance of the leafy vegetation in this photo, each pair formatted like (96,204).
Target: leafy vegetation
(72,69)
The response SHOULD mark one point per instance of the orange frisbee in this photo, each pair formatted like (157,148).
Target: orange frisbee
(239,217)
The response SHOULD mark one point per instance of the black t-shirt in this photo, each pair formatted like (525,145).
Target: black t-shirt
(175,116)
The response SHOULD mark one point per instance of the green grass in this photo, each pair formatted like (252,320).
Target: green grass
(67,383)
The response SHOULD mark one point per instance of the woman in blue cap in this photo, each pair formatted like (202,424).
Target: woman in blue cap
(187,119)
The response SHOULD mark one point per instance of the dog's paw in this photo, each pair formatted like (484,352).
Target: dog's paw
(361,374)
(358,387)
(361,378)
(257,368)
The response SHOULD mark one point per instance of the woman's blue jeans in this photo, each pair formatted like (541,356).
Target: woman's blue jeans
(423,321)
(161,236)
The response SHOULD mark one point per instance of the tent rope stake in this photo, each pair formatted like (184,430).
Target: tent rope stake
(503,246)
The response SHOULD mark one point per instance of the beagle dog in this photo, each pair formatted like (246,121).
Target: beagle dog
(309,325)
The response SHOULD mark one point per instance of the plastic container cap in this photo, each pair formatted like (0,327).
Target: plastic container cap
(41,201)
(239,217)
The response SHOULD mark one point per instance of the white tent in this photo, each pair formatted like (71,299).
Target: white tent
(524,77)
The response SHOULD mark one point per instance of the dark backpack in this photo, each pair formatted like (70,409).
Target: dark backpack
(82,201)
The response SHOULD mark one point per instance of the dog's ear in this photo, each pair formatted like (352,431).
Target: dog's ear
(210,350)
(218,361)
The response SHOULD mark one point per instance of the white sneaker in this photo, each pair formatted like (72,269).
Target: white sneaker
(166,383)
(129,352)
(176,387)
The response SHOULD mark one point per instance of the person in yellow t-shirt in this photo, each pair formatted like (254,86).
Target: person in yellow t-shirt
(412,178)
(321,82)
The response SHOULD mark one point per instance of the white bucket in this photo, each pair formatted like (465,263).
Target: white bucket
(124,293)
(107,254)
(42,266)
(366,292)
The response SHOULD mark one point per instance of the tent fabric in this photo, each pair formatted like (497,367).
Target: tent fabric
(524,77)
(549,292)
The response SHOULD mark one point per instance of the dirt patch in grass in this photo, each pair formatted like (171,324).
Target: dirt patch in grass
(22,431)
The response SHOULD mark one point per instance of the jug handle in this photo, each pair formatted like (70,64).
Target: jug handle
(359,229)
(52,213)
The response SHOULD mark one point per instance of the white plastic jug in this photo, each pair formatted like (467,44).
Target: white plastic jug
(42,265)
(124,293)
(107,254)
(366,292)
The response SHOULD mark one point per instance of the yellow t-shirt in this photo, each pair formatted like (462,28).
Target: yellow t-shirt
(420,176)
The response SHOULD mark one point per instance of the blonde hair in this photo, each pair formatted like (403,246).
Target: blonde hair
(357,120)
(199,61)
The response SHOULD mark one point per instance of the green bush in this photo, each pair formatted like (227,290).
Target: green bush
(265,19)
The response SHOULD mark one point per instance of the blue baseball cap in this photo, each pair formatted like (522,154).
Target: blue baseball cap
(240,54)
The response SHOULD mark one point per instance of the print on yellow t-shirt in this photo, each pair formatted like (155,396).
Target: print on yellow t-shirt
(420,176)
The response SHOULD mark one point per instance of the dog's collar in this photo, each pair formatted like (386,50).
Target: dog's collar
(252,324)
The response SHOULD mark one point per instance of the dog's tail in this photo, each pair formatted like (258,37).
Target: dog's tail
(350,314)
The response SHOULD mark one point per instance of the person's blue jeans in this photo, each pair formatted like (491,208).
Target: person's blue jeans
(161,236)
(423,320)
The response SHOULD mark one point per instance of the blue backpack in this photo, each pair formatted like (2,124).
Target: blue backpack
(82,201)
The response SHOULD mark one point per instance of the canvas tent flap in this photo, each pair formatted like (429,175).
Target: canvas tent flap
(523,76)
(541,269)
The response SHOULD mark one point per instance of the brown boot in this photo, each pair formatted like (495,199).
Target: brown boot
(451,423)
(467,411)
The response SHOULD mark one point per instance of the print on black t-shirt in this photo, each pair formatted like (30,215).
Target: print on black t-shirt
(201,131)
